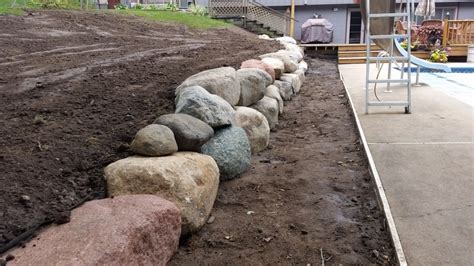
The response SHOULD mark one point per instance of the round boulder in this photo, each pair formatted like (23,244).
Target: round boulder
(219,81)
(255,125)
(253,63)
(277,65)
(269,108)
(303,65)
(188,179)
(154,140)
(253,82)
(272,91)
(294,79)
(230,148)
(190,133)
(284,56)
(285,89)
(199,103)
(286,39)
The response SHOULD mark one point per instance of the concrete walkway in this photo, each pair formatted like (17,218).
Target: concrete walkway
(425,161)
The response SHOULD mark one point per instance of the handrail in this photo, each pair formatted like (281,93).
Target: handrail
(458,32)
(272,10)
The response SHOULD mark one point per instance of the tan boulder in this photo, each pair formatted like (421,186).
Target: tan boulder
(255,125)
(125,230)
(188,179)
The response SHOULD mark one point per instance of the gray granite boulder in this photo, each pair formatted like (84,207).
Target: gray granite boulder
(269,108)
(199,103)
(230,148)
(294,79)
(253,82)
(255,125)
(285,89)
(190,133)
(154,140)
(272,91)
(219,81)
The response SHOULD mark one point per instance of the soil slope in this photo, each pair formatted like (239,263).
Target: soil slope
(75,88)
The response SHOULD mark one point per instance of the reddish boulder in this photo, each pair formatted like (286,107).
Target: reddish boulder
(125,230)
(253,63)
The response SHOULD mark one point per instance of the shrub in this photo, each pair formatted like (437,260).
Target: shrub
(439,56)
(197,10)
(120,6)
(171,7)
(431,33)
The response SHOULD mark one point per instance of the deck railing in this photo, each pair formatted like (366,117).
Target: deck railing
(458,32)
(250,10)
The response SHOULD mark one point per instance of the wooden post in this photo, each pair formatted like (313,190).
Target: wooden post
(445,33)
(292,21)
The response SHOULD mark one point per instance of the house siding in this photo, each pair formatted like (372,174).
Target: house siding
(466,11)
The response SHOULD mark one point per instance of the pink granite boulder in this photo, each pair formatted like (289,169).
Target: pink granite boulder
(124,230)
(253,63)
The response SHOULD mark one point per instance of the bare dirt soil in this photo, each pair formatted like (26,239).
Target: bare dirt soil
(75,88)
(309,195)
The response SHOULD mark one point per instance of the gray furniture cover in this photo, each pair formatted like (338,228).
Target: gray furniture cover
(318,30)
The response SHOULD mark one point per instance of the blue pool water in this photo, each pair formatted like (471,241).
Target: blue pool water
(454,70)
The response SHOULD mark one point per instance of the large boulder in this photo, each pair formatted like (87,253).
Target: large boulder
(294,79)
(295,50)
(269,108)
(253,82)
(303,65)
(295,56)
(253,63)
(286,39)
(188,179)
(272,91)
(290,64)
(190,133)
(255,125)
(154,140)
(301,75)
(125,230)
(230,148)
(277,65)
(285,89)
(197,102)
(220,81)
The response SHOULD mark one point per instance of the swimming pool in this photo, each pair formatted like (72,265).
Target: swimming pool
(458,84)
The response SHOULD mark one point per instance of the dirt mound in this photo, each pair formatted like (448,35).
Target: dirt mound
(75,88)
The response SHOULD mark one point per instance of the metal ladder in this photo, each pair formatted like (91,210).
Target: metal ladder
(390,59)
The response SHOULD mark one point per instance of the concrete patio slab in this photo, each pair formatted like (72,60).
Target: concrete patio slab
(425,162)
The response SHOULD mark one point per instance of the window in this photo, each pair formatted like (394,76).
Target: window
(440,13)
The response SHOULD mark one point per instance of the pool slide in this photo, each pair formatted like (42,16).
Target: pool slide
(384,26)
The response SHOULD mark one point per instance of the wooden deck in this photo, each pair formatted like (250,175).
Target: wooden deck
(356,53)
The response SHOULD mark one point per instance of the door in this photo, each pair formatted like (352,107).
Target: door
(355,27)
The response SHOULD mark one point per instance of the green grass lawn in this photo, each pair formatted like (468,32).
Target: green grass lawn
(5,7)
(200,22)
